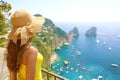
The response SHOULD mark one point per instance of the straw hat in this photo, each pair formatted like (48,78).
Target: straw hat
(24,26)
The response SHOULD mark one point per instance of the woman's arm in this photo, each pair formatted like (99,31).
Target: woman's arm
(31,64)
(13,75)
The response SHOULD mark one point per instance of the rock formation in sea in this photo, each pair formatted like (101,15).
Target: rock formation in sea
(92,32)
(37,15)
(66,63)
(74,32)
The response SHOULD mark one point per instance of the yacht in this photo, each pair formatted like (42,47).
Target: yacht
(80,77)
(100,77)
(114,65)
(118,36)
(110,48)
(83,68)
(71,68)
(76,70)
(97,41)
(104,42)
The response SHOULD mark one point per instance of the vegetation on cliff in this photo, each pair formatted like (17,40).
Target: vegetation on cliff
(48,39)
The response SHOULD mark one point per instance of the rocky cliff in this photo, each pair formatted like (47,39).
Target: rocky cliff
(92,32)
(53,35)
(49,38)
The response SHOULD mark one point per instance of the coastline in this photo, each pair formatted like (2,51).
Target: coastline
(53,58)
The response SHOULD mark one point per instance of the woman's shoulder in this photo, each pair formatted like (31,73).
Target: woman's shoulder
(32,48)
(32,51)
(31,55)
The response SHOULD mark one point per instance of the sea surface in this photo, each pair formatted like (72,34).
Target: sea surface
(90,58)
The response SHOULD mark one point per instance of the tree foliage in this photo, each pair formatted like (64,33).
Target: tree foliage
(6,7)
(44,49)
(4,12)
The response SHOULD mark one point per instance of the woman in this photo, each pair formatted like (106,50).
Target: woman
(23,60)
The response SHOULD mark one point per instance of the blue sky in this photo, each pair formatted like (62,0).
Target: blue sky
(72,10)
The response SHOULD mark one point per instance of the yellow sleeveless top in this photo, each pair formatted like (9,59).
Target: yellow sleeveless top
(22,70)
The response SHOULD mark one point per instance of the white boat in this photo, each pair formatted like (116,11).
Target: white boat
(104,42)
(67,67)
(83,68)
(78,64)
(61,69)
(100,77)
(58,73)
(67,71)
(78,52)
(71,68)
(97,41)
(114,65)
(76,70)
(109,48)
(118,36)
(80,77)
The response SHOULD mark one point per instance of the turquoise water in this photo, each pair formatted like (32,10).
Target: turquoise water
(90,57)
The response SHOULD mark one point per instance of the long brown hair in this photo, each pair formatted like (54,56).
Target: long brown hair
(14,54)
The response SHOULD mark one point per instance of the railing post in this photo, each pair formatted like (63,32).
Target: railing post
(47,76)
(54,77)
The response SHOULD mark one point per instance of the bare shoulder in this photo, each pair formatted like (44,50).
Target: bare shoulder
(32,50)
(31,63)
(32,54)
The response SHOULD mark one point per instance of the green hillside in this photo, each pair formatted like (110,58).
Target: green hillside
(47,39)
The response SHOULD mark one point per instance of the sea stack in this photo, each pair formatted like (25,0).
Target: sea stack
(66,63)
(92,32)
(74,32)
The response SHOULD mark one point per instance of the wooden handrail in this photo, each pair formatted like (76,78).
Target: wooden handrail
(49,73)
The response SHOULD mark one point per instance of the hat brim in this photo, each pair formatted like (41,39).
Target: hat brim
(37,23)
(33,28)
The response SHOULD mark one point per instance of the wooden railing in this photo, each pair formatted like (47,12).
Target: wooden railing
(53,75)
(48,76)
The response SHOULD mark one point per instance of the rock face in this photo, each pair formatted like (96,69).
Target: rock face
(37,15)
(59,36)
(49,38)
(53,35)
(74,32)
(66,63)
(92,32)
